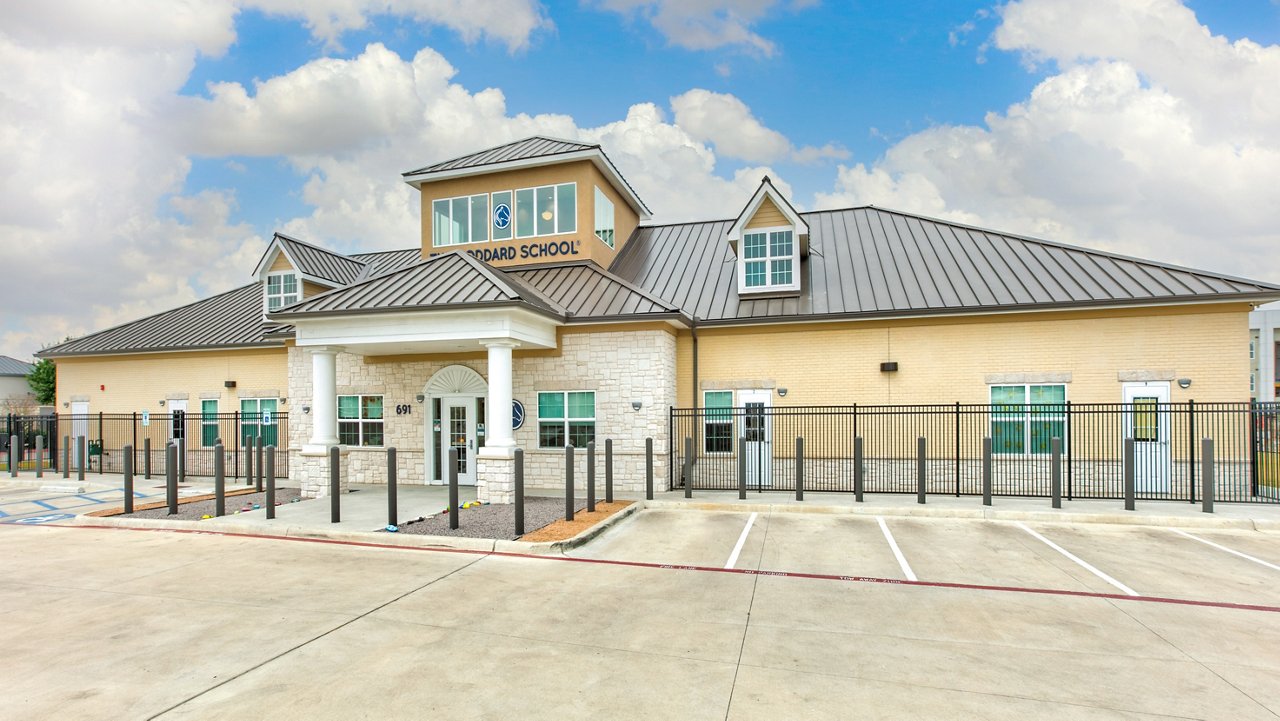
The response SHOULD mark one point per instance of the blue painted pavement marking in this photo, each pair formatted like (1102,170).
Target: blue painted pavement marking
(89,498)
(42,504)
(33,520)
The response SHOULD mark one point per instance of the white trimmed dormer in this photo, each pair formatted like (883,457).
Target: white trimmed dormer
(769,238)
(291,270)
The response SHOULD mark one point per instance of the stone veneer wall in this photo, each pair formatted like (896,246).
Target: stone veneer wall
(620,366)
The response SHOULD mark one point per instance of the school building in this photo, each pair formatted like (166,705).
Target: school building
(541,308)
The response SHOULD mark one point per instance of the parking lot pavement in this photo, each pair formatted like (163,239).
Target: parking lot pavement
(118,623)
(25,503)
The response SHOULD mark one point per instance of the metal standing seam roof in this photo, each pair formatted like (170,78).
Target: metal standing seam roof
(869,262)
(587,292)
(450,280)
(537,146)
(316,261)
(227,320)
(14,367)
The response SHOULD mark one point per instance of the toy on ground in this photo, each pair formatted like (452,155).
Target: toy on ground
(468,504)
(392,529)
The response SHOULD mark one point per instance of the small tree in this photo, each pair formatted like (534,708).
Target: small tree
(43,380)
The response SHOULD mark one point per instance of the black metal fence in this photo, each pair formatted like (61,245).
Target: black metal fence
(106,435)
(1166,440)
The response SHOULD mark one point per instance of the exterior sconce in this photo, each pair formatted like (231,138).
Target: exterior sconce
(420,398)
(228,384)
(782,392)
(306,410)
(284,401)
(66,404)
(636,405)
(1184,382)
(162,403)
(889,367)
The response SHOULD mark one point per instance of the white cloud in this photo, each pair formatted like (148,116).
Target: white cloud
(726,122)
(1153,137)
(707,24)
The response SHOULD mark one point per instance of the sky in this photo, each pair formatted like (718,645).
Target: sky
(151,147)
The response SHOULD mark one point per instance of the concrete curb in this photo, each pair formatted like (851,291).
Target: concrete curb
(49,480)
(989,514)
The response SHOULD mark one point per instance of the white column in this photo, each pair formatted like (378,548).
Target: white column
(324,397)
(498,434)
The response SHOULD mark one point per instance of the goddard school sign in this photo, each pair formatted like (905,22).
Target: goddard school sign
(525,251)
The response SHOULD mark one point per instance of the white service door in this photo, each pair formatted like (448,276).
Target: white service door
(177,420)
(1147,423)
(79,429)
(458,426)
(757,429)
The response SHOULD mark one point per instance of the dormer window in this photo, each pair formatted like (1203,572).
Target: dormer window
(769,238)
(768,260)
(282,290)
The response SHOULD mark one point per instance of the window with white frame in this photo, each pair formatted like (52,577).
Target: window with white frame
(717,421)
(604,218)
(546,210)
(1026,418)
(768,261)
(209,422)
(282,290)
(258,420)
(566,418)
(360,420)
(456,221)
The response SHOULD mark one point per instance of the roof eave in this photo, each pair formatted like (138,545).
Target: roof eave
(160,349)
(293,318)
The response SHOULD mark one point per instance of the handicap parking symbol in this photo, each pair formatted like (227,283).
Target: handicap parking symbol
(45,519)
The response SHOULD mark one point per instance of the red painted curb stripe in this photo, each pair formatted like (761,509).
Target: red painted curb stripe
(710,569)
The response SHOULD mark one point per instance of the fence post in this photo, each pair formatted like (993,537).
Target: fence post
(335,483)
(986,470)
(80,454)
(688,467)
(1206,476)
(1070,448)
(393,514)
(957,449)
(920,468)
(648,469)
(146,458)
(453,488)
(1055,472)
(171,477)
(270,500)
(66,457)
(608,470)
(40,456)
(519,499)
(742,468)
(219,482)
(1191,449)
(591,476)
(568,482)
(128,479)
(261,452)
(1128,475)
(799,468)
(13,455)
(859,481)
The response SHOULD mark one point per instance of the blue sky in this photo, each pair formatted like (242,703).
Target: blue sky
(161,144)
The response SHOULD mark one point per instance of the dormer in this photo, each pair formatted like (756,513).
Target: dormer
(769,238)
(291,270)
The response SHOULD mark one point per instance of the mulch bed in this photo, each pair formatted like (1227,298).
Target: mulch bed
(196,507)
(543,520)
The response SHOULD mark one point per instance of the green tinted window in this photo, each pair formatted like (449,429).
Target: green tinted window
(550,405)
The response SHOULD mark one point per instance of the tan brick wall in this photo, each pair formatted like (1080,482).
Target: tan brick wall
(129,383)
(948,360)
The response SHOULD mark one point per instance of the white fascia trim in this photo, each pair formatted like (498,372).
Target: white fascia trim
(767,190)
(600,160)
(515,324)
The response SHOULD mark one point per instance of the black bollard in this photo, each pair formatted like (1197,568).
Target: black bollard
(568,483)
(591,476)
(335,483)
(859,480)
(128,479)
(648,469)
(742,468)
(1128,475)
(146,459)
(66,456)
(688,467)
(270,501)
(799,469)
(219,482)
(261,453)
(608,470)
(248,462)
(171,478)
(1055,472)
(519,499)
(1206,475)
(393,514)
(40,456)
(13,456)
(920,469)
(986,471)
(453,488)
(81,457)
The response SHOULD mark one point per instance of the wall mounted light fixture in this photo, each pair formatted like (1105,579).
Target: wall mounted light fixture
(636,405)
(162,403)
(782,392)
(420,398)
(306,410)
(1184,382)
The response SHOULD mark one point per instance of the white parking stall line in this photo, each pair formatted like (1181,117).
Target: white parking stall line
(1083,564)
(897,552)
(1233,552)
(737,547)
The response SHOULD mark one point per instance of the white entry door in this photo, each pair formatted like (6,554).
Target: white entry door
(79,429)
(757,429)
(458,425)
(1147,423)
(178,420)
